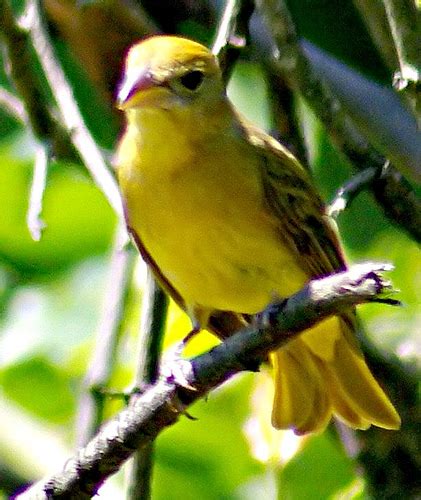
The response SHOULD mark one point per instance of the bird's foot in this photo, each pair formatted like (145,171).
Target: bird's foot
(176,369)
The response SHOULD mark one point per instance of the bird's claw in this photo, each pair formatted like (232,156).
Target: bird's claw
(176,369)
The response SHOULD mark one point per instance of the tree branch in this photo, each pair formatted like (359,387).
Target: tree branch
(405,26)
(384,183)
(43,125)
(290,61)
(39,181)
(13,106)
(91,405)
(162,404)
(398,200)
(154,315)
(69,110)
(232,34)
(374,16)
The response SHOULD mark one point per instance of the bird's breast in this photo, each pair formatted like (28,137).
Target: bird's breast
(203,220)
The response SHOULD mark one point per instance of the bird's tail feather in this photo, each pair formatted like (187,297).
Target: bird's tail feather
(319,374)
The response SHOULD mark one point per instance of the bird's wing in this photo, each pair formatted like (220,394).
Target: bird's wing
(326,359)
(303,223)
(292,198)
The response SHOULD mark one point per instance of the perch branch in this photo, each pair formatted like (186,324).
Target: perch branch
(162,404)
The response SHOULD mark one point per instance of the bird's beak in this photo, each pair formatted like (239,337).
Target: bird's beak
(133,87)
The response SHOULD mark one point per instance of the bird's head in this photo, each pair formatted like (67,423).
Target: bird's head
(169,72)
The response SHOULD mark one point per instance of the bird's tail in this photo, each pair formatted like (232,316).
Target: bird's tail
(323,372)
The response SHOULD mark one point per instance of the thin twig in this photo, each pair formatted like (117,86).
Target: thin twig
(226,26)
(161,405)
(405,26)
(92,402)
(39,181)
(13,106)
(232,34)
(36,110)
(399,201)
(154,314)
(69,110)
(350,190)
(374,16)
(289,59)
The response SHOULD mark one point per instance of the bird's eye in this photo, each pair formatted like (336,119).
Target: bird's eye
(192,80)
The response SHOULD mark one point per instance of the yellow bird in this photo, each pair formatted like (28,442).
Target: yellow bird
(229,221)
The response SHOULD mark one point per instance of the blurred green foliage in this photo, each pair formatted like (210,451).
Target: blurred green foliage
(78,218)
(51,291)
(338,28)
(50,396)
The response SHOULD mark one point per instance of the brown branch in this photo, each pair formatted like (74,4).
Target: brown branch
(162,404)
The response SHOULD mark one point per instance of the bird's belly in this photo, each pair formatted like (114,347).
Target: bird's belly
(219,253)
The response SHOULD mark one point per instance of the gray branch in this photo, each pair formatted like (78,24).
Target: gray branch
(71,116)
(28,86)
(39,181)
(405,25)
(100,369)
(404,22)
(164,402)
(392,191)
